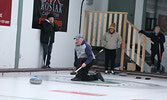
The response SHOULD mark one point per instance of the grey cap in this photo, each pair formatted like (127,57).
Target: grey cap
(78,36)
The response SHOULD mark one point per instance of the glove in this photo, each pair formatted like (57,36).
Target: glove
(141,31)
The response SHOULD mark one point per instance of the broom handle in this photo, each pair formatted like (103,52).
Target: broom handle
(78,69)
(81,67)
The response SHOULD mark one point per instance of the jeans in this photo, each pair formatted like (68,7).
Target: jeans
(47,49)
(159,56)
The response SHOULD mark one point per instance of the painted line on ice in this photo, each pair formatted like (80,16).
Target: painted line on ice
(22,98)
(139,99)
(79,93)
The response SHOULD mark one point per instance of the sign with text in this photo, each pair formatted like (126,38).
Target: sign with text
(5,12)
(57,7)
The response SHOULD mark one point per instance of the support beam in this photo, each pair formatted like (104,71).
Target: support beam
(123,41)
(143,54)
(18,37)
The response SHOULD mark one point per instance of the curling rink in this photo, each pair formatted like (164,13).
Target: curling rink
(57,86)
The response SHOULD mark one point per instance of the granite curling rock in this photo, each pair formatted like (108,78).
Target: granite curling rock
(35,80)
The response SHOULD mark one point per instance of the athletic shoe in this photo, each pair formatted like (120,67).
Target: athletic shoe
(49,67)
(106,72)
(99,76)
(112,72)
(44,67)
(152,66)
(158,72)
(75,79)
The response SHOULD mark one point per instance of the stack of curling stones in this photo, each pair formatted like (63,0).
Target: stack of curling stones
(35,80)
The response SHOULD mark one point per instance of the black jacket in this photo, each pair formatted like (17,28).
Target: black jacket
(160,39)
(48,32)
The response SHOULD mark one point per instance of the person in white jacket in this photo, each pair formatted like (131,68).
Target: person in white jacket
(111,41)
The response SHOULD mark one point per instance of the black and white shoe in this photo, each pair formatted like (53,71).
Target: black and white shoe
(75,79)
(44,67)
(112,72)
(49,67)
(99,76)
(158,72)
(106,72)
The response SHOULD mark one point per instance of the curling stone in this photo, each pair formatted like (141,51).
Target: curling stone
(35,80)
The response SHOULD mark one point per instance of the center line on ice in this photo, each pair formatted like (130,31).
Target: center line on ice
(79,93)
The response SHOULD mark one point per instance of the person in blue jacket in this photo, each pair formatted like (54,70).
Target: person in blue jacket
(84,58)
(158,47)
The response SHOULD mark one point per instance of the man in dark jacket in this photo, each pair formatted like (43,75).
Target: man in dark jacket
(48,29)
(158,47)
(84,58)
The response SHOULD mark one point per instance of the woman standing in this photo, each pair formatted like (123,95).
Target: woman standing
(111,41)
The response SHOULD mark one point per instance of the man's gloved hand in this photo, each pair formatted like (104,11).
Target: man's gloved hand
(141,31)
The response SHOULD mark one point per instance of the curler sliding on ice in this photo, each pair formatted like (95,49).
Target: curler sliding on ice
(75,72)
(84,59)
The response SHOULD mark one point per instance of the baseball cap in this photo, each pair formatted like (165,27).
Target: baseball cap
(78,36)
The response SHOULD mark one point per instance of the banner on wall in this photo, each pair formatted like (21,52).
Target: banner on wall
(57,7)
(162,22)
(5,12)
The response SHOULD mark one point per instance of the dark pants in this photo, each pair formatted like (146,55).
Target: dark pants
(47,49)
(110,55)
(159,56)
(83,73)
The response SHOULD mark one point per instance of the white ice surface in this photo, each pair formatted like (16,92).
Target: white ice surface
(16,86)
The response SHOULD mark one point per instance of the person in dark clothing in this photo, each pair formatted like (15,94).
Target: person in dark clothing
(48,29)
(158,47)
(84,58)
